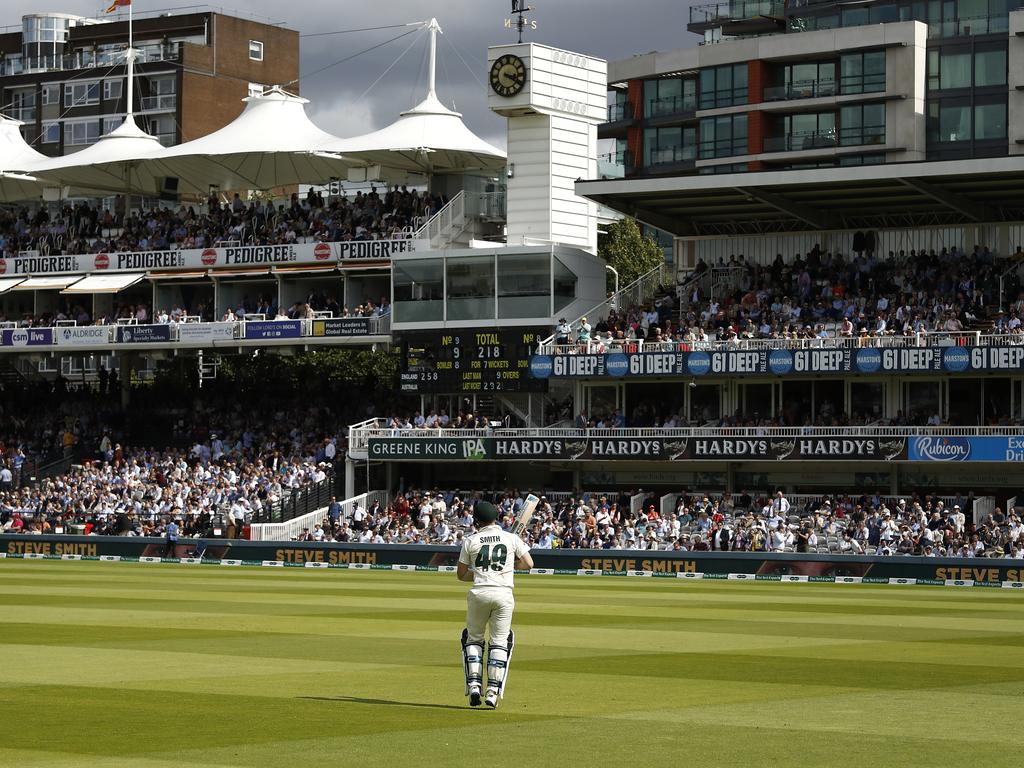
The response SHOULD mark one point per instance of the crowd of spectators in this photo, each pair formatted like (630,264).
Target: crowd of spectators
(84,228)
(869,524)
(820,296)
(225,476)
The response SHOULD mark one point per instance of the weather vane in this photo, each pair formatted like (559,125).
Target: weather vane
(519,8)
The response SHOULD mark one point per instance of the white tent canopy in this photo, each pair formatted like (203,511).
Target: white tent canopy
(112,164)
(15,154)
(272,143)
(429,138)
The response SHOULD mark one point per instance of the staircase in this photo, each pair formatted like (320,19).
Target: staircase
(443,228)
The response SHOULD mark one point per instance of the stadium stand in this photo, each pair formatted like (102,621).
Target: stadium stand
(871,524)
(83,228)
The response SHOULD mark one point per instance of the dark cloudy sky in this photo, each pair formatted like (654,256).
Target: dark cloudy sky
(605,29)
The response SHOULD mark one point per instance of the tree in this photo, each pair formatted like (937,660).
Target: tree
(628,251)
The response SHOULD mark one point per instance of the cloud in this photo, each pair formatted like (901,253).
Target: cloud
(469,27)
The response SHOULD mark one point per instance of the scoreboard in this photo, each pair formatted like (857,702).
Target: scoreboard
(468,360)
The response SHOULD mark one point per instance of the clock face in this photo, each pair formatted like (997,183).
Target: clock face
(508,75)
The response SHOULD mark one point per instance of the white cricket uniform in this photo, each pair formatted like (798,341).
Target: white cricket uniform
(491,555)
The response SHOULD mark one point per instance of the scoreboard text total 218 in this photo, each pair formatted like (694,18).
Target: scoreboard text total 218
(469,360)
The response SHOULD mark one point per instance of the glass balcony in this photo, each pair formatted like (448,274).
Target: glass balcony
(623,111)
(801,89)
(741,15)
(166,102)
(673,154)
(671,105)
(801,141)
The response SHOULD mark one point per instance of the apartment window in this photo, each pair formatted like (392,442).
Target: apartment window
(803,81)
(663,146)
(23,105)
(723,136)
(862,72)
(955,120)
(803,132)
(670,96)
(862,124)
(951,68)
(110,123)
(723,86)
(162,95)
(51,94)
(256,50)
(112,90)
(81,132)
(50,134)
(81,94)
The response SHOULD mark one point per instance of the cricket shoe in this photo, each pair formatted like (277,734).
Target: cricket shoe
(474,697)
(491,699)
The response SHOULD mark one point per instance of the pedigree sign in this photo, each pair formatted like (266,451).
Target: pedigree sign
(204,258)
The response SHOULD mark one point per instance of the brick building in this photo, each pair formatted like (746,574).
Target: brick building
(63,76)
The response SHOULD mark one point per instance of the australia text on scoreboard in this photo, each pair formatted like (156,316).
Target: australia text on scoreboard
(32,263)
(782,362)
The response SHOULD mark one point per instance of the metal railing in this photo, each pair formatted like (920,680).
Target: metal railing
(736,10)
(673,154)
(298,502)
(359,435)
(623,111)
(286,531)
(635,293)
(801,140)
(800,89)
(923,339)
(671,105)
(166,102)
(445,224)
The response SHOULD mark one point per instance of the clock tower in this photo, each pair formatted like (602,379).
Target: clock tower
(553,100)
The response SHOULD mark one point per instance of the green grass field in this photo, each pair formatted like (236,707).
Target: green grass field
(117,664)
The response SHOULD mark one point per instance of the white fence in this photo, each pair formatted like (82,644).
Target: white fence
(289,530)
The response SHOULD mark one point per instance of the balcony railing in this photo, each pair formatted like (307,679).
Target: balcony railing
(16,65)
(737,10)
(166,102)
(618,112)
(803,140)
(862,136)
(669,155)
(801,89)
(671,105)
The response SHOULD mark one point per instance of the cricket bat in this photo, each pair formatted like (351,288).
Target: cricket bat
(525,513)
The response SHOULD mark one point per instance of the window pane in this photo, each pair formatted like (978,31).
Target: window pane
(955,70)
(954,123)
(990,121)
(419,290)
(565,286)
(471,288)
(990,68)
(524,285)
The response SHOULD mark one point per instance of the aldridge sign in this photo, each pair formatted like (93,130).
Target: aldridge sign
(640,449)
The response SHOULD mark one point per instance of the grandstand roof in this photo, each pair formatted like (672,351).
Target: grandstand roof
(847,198)
(272,143)
(14,154)
(111,164)
(429,138)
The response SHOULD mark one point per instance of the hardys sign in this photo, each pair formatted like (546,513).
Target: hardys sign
(639,449)
(782,362)
(205,258)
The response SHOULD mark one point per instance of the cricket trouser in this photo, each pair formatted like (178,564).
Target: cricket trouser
(490,609)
